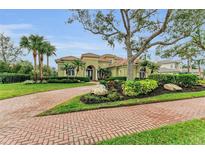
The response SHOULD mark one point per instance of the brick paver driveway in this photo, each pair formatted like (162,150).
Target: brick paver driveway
(89,127)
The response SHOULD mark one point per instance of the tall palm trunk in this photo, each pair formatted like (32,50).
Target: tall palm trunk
(35,66)
(39,63)
(47,65)
(41,67)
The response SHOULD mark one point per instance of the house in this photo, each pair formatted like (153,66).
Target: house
(170,66)
(117,65)
(174,66)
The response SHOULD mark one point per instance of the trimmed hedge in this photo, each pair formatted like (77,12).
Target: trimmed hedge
(134,88)
(183,80)
(63,81)
(123,78)
(13,77)
(84,79)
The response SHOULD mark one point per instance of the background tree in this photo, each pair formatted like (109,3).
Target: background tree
(78,64)
(139,30)
(186,51)
(32,43)
(22,67)
(9,52)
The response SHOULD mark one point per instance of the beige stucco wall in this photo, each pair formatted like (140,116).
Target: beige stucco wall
(116,71)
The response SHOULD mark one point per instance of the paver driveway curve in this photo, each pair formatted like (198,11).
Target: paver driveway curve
(23,107)
(89,127)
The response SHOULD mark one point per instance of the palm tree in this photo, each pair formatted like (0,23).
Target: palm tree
(43,49)
(78,65)
(67,67)
(32,44)
(50,52)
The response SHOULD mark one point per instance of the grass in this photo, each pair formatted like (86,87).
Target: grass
(75,104)
(19,89)
(190,132)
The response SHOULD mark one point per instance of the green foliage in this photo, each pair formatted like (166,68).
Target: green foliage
(63,81)
(93,99)
(13,77)
(104,73)
(83,79)
(134,88)
(103,82)
(201,82)
(29,82)
(4,67)
(183,80)
(123,78)
(184,133)
(114,96)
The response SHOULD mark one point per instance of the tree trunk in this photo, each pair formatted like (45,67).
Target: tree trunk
(39,62)
(199,67)
(188,65)
(129,59)
(48,65)
(41,67)
(35,66)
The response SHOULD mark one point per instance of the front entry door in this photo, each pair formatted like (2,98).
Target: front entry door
(90,74)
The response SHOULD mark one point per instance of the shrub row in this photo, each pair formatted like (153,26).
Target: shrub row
(63,81)
(93,99)
(13,77)
(123,78)
(183,80)
(84,79)
(133,88)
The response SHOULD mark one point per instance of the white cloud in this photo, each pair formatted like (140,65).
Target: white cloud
(79,45)
(10,29)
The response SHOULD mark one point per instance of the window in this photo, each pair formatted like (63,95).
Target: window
(71,72)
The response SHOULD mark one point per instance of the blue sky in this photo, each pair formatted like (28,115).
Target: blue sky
(69,39)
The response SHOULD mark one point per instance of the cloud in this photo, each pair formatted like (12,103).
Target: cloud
(10,29)
(80,45)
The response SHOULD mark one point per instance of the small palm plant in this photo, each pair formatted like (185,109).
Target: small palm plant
(78,65)
(67,67)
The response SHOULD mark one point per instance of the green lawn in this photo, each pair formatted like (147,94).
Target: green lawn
(19,89)
(76,105)
(190,132)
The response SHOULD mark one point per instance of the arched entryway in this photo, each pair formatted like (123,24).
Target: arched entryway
(91,72)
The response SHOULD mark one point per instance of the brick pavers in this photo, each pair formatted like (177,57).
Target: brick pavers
(89,127)
(23,107)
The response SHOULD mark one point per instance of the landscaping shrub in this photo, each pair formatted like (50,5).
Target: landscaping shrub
(115,85)
(92,99)
(123,78)
(83,79)
(113,96)
(13,77)
(103,82)
(133,88)
(163,78)
(183,80)
(62,81)
(29,82)
(186,80)
(201,82)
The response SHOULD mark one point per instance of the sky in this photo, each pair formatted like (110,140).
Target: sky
(69,39)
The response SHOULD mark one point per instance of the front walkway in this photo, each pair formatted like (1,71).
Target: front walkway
(89,127)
